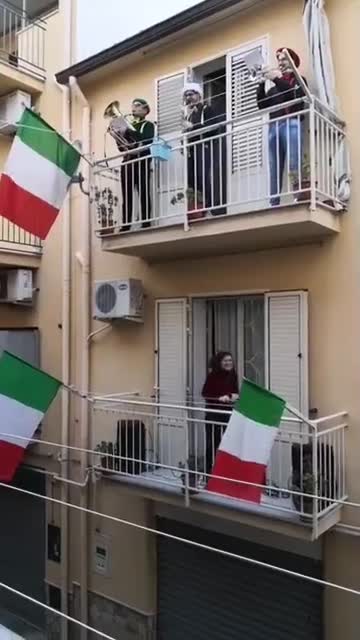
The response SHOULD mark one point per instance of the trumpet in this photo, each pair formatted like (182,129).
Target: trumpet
(120,126)
(256,73)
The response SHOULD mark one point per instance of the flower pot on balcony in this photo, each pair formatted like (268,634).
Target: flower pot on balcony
(305,481)
(195,207)
(303,189)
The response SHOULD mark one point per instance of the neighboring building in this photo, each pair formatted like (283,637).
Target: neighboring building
(277,286)
(33,47)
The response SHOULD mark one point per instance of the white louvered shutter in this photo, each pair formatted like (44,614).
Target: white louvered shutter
(287,372)
(170,180)
(172,378)
(169,104)
(247,155)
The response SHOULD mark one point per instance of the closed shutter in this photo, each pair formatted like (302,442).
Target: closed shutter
(287,339)
(23,343)
(172,378)
(22,550)
(205,596)
(287,373)
(247,154)
(170,174)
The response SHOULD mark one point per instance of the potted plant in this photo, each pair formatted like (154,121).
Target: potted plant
(306,484)
(303,189)
(195,203)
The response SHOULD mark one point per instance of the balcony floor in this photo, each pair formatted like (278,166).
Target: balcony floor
(259,230)
(164,485)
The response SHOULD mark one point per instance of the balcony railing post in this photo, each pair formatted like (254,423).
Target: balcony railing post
(312,150)
(186,470)
(315,473)
(185,156)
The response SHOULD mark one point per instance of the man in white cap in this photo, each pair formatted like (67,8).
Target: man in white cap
(203,170)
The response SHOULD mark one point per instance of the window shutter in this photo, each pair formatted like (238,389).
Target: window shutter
(172,377)
(169,104)
(287,343)
(247,146)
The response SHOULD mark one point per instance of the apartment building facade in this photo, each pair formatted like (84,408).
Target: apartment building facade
(276,286)
(33,47)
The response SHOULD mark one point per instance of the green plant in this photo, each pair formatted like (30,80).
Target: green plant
(305,172)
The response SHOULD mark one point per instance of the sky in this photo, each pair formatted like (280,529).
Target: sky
(102,23)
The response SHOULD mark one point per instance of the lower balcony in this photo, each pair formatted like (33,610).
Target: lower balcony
(244,185)
(167,453)
(18,247)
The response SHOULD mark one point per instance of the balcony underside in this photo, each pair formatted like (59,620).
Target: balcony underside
(13,78)
(266,229)
(18,256)
(272,514)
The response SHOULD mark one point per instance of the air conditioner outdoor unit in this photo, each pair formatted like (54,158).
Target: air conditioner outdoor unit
(16,286)
(11,108)
(119,299)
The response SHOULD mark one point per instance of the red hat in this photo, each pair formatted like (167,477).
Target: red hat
(293,55)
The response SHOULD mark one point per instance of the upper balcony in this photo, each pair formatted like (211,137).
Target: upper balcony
(221,192)
(18,248)
(167,451)
(22,50)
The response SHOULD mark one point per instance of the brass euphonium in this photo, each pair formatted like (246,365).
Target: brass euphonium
(120,125)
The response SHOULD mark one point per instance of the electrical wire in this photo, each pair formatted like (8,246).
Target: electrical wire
(198,545)
(55,611)
(105,454)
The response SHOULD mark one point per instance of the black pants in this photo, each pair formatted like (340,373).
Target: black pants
(207,174)
(135,176)
(213,435)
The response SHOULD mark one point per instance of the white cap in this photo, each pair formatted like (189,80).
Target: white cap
(193,86)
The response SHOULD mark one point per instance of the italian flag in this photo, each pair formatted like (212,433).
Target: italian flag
(245,448)
(36,176)
(25,395)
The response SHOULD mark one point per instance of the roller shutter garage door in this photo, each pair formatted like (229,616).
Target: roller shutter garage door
(205,596)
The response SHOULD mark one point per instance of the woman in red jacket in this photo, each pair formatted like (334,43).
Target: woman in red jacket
(220,391)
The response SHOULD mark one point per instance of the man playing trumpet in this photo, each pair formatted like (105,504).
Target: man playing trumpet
(285,130)
(136,165)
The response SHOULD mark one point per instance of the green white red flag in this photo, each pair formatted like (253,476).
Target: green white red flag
(36,176)
(25,395)
(245,448)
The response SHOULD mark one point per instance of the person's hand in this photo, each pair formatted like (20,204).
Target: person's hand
(234,397)
(187,126)
(224,399)
(272,74)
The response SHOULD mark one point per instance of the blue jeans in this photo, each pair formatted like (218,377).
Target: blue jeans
(285,137)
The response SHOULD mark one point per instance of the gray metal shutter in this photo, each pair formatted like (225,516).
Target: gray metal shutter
(22,549)
(23,343)
(205,596)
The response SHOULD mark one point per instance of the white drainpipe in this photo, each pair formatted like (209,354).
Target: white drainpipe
(84,309)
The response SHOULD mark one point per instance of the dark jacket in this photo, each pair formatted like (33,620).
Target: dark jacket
(219,384)
(203,116)
(142,136)
(285,90)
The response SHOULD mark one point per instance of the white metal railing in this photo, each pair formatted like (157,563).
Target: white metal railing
(175,445)
(22,40)
(17,239)
(252,163)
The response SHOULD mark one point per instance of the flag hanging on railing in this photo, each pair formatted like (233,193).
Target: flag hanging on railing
(245,448)
(37,175)
(25,395)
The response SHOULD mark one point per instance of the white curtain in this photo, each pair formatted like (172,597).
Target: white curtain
(317,33)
